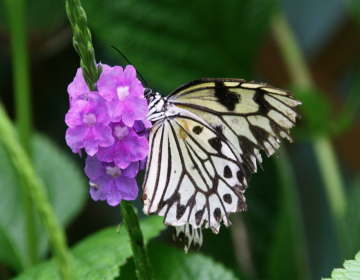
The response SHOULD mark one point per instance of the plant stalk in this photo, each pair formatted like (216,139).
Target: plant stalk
(292,219)
(131,220)
(23,114)
(37,192)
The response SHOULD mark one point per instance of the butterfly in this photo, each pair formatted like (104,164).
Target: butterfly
(205,143)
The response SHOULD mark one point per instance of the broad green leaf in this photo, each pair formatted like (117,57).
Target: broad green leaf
(66,189)
(172,43)
(171,263)
(351,270)
(100,255)
(12,238)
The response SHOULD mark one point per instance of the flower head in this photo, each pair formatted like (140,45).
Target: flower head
(128,146)
(124,94)
(88,123)
(111,125)
(111,183)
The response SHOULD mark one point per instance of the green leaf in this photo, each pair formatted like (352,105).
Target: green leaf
(351,270)
(12,240)
(171,263)
(100,255)
(66,189)
(316,114)
(175,42)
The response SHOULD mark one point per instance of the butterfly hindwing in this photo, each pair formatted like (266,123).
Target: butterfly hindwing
(194,175)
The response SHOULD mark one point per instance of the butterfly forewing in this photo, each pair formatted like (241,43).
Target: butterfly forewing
(249,115)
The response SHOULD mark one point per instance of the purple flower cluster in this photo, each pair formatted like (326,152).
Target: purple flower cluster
(105,123)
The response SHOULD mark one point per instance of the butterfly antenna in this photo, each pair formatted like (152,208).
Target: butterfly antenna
(131,64)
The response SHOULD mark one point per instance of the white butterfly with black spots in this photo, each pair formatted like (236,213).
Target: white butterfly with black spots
(205,143)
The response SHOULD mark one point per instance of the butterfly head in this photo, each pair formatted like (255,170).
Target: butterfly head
(148,93)
(155,103)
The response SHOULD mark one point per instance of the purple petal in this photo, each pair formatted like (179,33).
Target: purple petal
(128,116)
(115,110)
(93,167)
(75,136)
(128,188)
(91,146)
(114,195)
(131,171)
(74,117)
(103,135)
(109,81)
(122,161)
(129,73)
(136,109)
(78,88)
(136,88)
(100,187)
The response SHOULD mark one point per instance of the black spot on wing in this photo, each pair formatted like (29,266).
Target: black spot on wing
(198,216)
(227,198)
(227,172)
(198,129)
(216,144)
(264,106)
(226,97)
(248,147)
(180,210)
(219,129)
(217,214)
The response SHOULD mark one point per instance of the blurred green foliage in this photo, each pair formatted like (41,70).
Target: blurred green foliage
(183,40)
(100,255)
(171,43)
(66,189)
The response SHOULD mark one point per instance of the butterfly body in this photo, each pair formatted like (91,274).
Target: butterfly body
(204,144)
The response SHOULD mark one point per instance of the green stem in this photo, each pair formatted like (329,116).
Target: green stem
(291,52)
(37,192)
(349,111)
(20,65)
(329,169)
(83,45)
(291,235)
(322,146)
(131,220)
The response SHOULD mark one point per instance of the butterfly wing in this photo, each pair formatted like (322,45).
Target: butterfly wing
(250,115)
(192,173)
(203,152)
(190,236)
